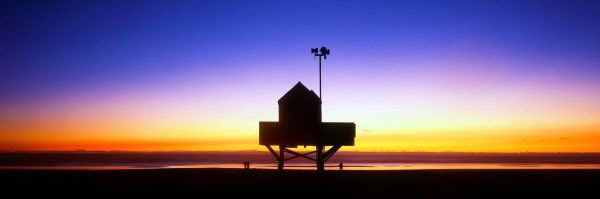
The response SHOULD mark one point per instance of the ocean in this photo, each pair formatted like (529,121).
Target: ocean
(115,160)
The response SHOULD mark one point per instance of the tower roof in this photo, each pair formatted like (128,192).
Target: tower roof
(299,92)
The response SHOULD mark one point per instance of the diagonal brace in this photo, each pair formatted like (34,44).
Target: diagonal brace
(272,152)
(301,155)
(305,155)
(331,151)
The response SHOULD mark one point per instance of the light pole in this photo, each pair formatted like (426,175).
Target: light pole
(323,53)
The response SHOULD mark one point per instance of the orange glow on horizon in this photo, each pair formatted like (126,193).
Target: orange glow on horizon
(436,119)
(431,140)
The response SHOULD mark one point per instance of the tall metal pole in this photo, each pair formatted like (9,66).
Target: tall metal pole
(323,53)
(320,94)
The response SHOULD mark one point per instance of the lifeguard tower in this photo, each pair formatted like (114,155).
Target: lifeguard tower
(300,124)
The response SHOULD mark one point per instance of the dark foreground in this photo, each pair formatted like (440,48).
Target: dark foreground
(271,183)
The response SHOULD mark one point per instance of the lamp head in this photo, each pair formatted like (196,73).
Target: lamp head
(314,50)
(324,52)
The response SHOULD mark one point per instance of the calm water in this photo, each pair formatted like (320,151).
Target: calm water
(354,166)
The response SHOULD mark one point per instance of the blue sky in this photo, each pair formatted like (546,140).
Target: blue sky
(383,53)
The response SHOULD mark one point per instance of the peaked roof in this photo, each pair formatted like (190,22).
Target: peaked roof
(299,91)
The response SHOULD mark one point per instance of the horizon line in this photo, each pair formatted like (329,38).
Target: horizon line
(259,151)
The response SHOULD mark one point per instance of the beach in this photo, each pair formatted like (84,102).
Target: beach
(480,183)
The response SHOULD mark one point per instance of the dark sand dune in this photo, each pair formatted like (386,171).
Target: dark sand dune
(202,183)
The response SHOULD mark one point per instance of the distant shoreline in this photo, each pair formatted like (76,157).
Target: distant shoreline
(187,158)
(260,151)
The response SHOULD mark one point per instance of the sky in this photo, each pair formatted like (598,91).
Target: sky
(466,76)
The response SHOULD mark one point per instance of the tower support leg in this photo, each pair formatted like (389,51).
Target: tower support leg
(320,158)
(281,157)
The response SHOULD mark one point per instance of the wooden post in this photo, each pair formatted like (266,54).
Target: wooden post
(281,157)
(320,158)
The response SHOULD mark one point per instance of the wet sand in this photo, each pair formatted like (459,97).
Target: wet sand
(303,183)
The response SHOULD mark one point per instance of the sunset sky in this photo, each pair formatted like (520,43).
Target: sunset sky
(466,76)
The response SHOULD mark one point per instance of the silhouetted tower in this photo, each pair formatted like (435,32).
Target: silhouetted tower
(300,123)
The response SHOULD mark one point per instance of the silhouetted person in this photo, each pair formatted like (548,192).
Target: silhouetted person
(341,166)
(246,165)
